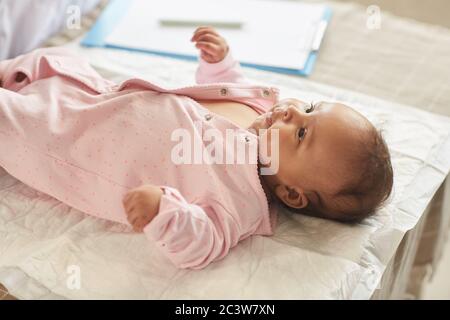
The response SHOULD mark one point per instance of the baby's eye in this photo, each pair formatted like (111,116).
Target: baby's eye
(302,133)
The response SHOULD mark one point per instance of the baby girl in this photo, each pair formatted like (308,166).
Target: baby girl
(113,151)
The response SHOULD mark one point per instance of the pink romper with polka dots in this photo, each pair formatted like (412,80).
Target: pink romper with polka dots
(86,141)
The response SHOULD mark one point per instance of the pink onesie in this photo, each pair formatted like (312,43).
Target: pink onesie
(86,141)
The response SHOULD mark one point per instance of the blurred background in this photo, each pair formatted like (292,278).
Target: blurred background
(434,11)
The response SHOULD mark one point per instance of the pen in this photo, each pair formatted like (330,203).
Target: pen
(197,23)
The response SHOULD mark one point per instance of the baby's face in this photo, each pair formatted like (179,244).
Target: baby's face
(316,145)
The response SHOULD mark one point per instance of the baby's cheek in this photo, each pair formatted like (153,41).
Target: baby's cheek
(264,147)
(282,140)
(272,142)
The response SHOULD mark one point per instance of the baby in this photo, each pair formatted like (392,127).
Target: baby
(108,150)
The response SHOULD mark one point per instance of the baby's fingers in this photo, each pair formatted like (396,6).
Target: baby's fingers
(210,48)
(129,195)
(138,219)
(202,31)
(207,57)
(210,38)
(140,223)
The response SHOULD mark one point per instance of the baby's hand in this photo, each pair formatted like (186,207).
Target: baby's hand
(142,205)
(213,48)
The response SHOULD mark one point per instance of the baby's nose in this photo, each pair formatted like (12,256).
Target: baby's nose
(285,112)
(280,112)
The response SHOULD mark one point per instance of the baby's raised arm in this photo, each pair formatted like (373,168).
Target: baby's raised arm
(216,62)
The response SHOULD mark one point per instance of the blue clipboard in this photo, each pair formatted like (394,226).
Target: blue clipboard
(116,10)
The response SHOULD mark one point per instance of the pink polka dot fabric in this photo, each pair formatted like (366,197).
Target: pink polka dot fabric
(86,141)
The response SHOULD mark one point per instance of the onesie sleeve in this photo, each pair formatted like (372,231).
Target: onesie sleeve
(43,63)
(227,70)
(192,235)
(19,72)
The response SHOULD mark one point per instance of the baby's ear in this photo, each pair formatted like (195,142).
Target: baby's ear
(293,197)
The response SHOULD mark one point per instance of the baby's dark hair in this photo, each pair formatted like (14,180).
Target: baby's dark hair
(370,189)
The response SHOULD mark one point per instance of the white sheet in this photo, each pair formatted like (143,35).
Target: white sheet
(40,238)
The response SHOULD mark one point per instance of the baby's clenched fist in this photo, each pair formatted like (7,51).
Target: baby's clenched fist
(213,48)
(142,205)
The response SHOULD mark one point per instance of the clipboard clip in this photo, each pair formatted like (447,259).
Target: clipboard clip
(320,33)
